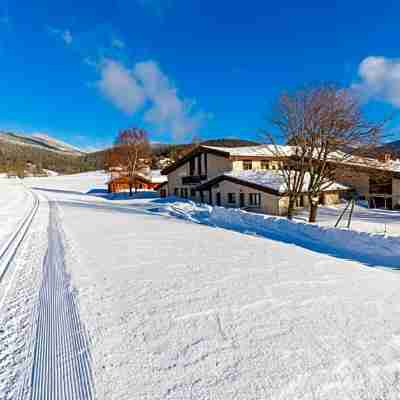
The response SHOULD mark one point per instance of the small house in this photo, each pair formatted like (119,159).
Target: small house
(261,191)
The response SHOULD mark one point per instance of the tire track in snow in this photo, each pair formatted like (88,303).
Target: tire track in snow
(62,361)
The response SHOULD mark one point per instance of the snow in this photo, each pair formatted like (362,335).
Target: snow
(19,293)
(180,310)
(390,165)
(185,301)
(271,150)
(50,172)
(370,248)
(156,177)
(364,219)
(43,137)
(14,202)
(275,180)
(75,183)
(267,150)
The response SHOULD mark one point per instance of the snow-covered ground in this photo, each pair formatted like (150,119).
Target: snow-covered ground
(14,202)
(182,301)
(76,184)
(179,308)
(364,219)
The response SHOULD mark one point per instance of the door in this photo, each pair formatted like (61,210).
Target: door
(241,200)
(218,199)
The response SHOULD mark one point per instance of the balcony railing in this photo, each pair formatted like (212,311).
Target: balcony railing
(193,180)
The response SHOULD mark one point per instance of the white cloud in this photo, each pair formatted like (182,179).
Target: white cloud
(380,79)
(64,35)
(119,85)
(67,37)
(147,87)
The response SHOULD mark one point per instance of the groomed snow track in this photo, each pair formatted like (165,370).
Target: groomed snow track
(62,362)
(11,247)
(54,361)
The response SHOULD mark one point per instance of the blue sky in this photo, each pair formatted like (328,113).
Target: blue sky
(82,70)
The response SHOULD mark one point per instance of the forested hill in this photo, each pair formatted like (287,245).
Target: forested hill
(172,150)
(47,153)
(40,141)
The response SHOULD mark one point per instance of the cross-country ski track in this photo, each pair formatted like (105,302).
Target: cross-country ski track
(61,366)
(45,353)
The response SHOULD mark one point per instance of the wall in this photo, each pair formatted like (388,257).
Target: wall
(215,166)
(331,198)
(396,192)
(269,203)
(175,177)
(256,165)
(356,180)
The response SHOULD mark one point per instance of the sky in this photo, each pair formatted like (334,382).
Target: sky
(80,71)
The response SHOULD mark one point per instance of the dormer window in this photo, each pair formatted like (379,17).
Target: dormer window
(247,165)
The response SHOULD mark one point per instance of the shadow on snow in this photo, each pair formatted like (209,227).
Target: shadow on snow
(263,232)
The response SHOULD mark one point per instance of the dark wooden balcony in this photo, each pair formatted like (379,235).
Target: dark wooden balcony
(193,180)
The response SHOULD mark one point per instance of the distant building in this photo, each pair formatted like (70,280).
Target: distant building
(145,180)
(164,162)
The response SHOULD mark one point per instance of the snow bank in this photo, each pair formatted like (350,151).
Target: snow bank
(370,248)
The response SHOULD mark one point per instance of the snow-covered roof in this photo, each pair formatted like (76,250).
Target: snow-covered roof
(367,162)
(263,150)
(156,177)
(270,150)
(275,180)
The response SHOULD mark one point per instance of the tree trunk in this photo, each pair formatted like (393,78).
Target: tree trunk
(130,190)
(313,211)
(291,204)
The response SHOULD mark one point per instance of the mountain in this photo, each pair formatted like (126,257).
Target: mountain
(42,151)
(41,141)
(57,144)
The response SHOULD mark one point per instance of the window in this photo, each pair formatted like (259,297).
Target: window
(265,165)
(176,192)
(255,199)
(231,198)
(247,165)
(192,192)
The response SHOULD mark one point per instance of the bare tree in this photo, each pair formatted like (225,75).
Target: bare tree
(335,133)
(324,127)
(132,151)
(287,145)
